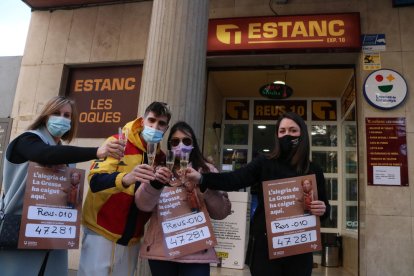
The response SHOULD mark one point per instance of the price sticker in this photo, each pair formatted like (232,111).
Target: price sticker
(188,237)
(294,239)
(50,231)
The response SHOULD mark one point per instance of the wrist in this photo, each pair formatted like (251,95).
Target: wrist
(201,185)
(124,183)
(98,153)
(157,184)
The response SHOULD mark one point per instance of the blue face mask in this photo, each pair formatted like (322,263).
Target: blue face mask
(58,125)
(152,135)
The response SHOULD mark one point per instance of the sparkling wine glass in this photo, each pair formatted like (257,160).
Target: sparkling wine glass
(122,136)
(151,152)
(184,159)
(169,161)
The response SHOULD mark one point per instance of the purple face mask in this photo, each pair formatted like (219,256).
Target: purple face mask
(181,148)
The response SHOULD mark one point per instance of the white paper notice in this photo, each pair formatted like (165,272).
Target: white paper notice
(386,175)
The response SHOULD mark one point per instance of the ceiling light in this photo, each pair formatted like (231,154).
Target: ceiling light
(229,149)
(261,127)
(266,150)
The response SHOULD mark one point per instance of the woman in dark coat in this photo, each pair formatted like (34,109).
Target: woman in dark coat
(289,158)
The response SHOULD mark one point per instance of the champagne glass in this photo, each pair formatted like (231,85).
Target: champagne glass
(122,136)
(169,161)
(151,152)
(184,158)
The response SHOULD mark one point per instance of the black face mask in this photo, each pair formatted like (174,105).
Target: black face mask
(288,144)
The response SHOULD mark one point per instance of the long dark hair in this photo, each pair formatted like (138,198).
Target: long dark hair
(196,158)
(300,158)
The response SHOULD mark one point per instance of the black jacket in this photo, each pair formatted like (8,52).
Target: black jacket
(259,170)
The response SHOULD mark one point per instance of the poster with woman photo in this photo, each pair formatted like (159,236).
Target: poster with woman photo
(52,208)
(185,230)
(290,226)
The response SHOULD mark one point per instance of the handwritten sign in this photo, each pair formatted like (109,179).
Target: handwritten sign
(51,208)
(185,232)
(291,229)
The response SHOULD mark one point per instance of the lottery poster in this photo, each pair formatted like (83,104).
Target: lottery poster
(52,208)
(291,229)
(185,231)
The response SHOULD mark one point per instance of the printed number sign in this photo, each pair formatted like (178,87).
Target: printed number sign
(185,231)
(52,208)
(291,229)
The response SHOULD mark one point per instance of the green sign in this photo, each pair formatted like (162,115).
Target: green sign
(276,91)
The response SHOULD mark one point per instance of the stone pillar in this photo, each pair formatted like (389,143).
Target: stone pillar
(175,61)
(175,65)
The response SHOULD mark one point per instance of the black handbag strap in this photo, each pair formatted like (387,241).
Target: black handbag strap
(43,267)
(2,206)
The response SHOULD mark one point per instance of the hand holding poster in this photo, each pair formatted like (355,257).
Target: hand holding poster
(185,232)
(51,208)
(291,229)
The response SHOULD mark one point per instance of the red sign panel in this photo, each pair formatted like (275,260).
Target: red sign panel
(299,32)
(106,98)
(387,151)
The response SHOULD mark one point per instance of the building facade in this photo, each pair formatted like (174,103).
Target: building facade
(168,40)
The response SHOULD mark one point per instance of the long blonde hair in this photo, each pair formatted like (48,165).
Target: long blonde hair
(50,108)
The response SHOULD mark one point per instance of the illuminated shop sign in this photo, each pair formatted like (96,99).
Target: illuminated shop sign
(106,98)
(300,32)
(276,91)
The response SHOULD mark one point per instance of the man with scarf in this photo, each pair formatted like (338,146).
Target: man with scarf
(112,223)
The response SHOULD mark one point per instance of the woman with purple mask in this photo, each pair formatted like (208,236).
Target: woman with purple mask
(181,140)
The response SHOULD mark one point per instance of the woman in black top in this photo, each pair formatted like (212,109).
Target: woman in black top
(289,158)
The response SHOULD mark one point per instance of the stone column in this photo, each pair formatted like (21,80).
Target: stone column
(175,61)
(175,65)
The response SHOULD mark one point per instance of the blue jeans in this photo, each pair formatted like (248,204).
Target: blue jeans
(167,268)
